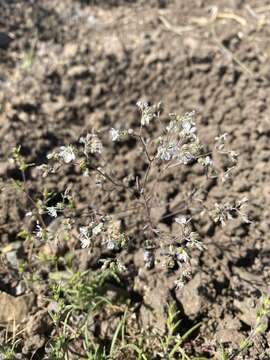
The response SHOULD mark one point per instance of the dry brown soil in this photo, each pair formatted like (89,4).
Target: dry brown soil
(69,66)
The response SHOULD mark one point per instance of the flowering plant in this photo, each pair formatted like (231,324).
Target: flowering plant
(176,145)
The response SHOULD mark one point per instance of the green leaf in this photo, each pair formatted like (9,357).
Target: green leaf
(136,349)
(261,328)
(23,234)
(245,344)
(190,331)
(114,339)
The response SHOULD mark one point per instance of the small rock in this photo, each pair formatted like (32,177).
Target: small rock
(229,330)
(32,343)
(157,212)
(5,40)
(78,71)
(116,293)
(16,309)
(39,323)
(20,288)
(16,245)
(4,167)
(247,311)
(70,50)
(229,336)
(190,298)
(58,246)
(107,328)
(191,42)
(86,259)
(98,91)
(12,259)
(156,296)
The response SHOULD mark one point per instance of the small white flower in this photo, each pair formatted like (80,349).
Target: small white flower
(97,229)
(40,232)
(52,155)
(96,145)
(114,134)
(146,118)
(147,111)
(182,220)
(141,104)
(92,144)
(84,237)
(121,267)
(186,273)
(179,284)
(206,162)
(67,154)
(86,139)
(185,157)
(188,128)
(52,211)
(111,245)
(234,155)
(197,244)
(222,137)
(84,231)
(173,126)
(183,256)
(148,258)
(163,153)
(167,151)
(85,243)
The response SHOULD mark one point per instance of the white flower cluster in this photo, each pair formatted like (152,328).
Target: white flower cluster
(167,150)
(179,255)
(67,201)
(176,255)
(177,144)
(114,238)
(85,236)
(185,275)
(52,211)
(205,161)
(114,134)
(117,135)
(182,220)
(191,237)
(193,241)
(223,212)
(221,147)
(184,125)
(88,232)
(148,112)
(180,143)
(41,233)
(65,153)
(114,264)
(92,144)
